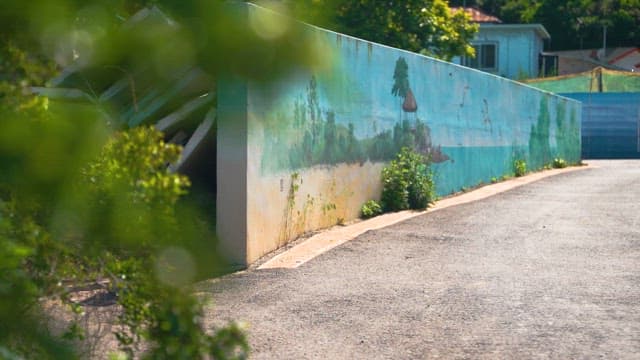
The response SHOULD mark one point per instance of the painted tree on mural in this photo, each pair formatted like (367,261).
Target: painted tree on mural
(539,147)
(299,113)
(423,138)
(353,147)
(562,132)
(400,78)
(315,114)
(567,135)
(401,87)
(319,138)
(573,140)
(331,142)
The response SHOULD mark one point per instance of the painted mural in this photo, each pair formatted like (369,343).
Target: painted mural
(319,135)
(375,101)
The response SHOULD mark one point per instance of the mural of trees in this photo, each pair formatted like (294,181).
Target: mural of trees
(539,147)
(401,87)
(567,135)
(400,78)
(315,136)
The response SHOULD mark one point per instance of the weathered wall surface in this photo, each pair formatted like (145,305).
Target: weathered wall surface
(316,142)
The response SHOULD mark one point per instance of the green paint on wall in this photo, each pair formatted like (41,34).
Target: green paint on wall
(539,147)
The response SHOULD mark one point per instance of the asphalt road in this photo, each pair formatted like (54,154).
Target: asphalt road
(548,270)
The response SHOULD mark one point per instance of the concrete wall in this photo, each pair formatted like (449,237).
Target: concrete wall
(310,148)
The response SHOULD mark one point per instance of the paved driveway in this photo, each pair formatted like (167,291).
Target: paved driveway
(548,270)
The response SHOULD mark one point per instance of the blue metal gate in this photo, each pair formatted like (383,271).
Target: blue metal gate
(610,125)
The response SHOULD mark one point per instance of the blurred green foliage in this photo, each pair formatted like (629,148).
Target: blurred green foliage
(136,160)
(114,222)
(84,200)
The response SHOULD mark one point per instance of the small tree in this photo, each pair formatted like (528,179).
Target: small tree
(407,183)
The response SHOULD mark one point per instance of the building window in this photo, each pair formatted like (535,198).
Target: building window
(486,57)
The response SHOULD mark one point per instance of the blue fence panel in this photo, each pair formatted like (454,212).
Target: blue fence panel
(610,125)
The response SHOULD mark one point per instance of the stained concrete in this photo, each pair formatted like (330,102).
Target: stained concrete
(326,240)
(547,270)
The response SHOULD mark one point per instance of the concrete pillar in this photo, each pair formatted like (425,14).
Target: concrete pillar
(231,200)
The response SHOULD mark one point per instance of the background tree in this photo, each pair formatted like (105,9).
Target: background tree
(572,24)
(424,26)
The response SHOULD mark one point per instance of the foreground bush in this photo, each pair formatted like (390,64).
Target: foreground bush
(109,218)
(407,182)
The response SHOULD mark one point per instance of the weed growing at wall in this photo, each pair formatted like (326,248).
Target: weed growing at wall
(519,167)
(370,209)
(407,182)
(559,163)
(296,181)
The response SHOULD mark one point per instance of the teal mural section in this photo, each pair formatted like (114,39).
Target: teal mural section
(374,100)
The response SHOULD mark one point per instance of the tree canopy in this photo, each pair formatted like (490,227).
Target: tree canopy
(424,26)
(573,24)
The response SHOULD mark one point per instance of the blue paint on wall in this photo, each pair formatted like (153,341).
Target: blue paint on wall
(610,125)
(477,165)
(473,124)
